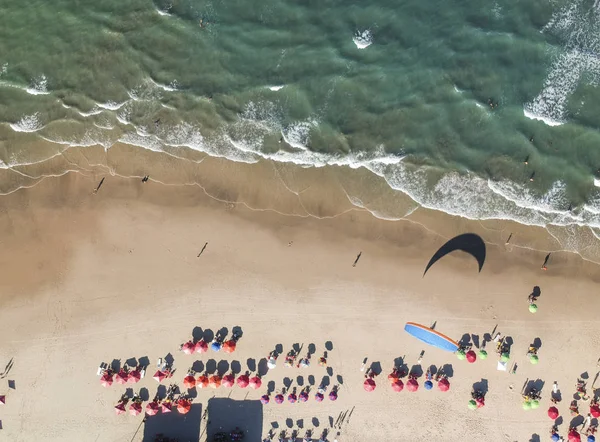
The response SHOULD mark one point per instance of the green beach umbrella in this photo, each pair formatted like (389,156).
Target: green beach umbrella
(535,404)
(532,308)
(527,405)
(505,357)
(482,354)
(460,354)
(472,405)
(534,359)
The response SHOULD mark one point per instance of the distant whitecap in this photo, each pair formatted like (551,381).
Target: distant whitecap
(363,39)
(276,88)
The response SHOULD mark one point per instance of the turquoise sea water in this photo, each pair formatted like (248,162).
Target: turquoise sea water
(445,100)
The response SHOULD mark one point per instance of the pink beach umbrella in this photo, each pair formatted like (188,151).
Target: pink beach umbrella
(292,398)
(574,436)
(319,397)
(279,399)
(183,406)
(471,356)
(264,399)
(152,408)
(189,381)
(398,385)
(595,410)
(135,409)
(255,383)
(228,381)
(369,384)
(165,407)
(120,408)
(159,376)
(134,377)
(243,381)
(201,346)
(333,395)
(553,413)
(444,385)
(412,385)
(121,377)
(188,348)
(202,381)
(106,380)
(303,396)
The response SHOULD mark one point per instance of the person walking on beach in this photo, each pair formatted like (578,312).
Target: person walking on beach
(356,260)
(544,266)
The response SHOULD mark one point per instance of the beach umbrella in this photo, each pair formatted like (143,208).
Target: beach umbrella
(159,376)
(591,438)
(527,405)
(292,398)
(460,354)
(472,405)
(202,381)
(229,346)
(120,408)
(304,362)
(165,407)
(243,381)
(214,381)
(183,406)
(264,399)
(535,404)
(279,399)
(574,436)
(188,348)
(303,397)
(319,397)
(412,385)
(228,381)
(398,385)
(471,356)
(272,363)
(121,377)
(393,376)
(505,357)
(135,409)
(152,408)
(2,400)
(255,383)
(532,308)
(333,395)
(444,385)
(201,346)
(480,402)
(553,413)
(369,384)
(106,380)
(134,377)
(322,362)
(483,354)
(534,359)
(215,346)
(595,411)
(428,385)
(189,381)
(555,437)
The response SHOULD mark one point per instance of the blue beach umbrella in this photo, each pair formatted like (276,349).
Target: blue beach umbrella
(428,385)
(215,346)
(555,437)
(591,438)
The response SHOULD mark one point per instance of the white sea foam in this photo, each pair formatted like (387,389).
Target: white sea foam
(3,69)
(111,105)
(276,88)
(363,39)
(171,87)
(298,134)
(161,12)
(549,121)
(39,86)
(596,180)
(28,123)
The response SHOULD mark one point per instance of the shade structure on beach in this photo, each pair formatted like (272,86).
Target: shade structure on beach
(121,377)
(229,346)
(272,363)
(189,381)
(398,385)
(279,399)
(412,385)
(461,355)
(431,337)
(535,404)
(471,356)
(472,405)
(533,308)
(134,377)
(553,413)
(527,405)
(106,380)
(333,395)
(135,408)
(202,381)
(152,408)
(595,411)
(255,383)
(228,380)
(214,381)
(303,396)
(264,399)
(428,385)
(292,398)
(201,346)
(183,406)
(215,346)
(574,436)
(393,376)
(243,381)
(369,384)
(505,357)
(444,385)
(483,354)
(319,397)
(165,407)
(534,359)
(188,348)
(159,376)
(120,408)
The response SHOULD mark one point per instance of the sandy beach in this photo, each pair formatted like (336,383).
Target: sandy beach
(92,278)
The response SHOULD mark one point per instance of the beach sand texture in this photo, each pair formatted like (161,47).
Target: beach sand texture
(90,278)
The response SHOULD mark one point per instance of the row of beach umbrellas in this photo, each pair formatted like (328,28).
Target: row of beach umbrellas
(122,377)
(183,406)
(302,397)
(412,384)
(216,381)
(202,346)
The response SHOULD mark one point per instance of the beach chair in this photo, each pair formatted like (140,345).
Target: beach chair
(101,368)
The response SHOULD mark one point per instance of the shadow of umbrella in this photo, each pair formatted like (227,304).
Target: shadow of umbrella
(468,242)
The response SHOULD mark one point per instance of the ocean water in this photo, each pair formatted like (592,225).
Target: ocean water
(444,100)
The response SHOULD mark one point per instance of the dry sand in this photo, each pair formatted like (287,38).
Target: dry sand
(87,279)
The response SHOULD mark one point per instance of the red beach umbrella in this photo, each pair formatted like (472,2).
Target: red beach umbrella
(120,408)
(202,381)
(165,407)
(121,377)
(183,406)
(398,385)
(369,384)
(159,376)
(229,346)
(201,346)
(134,377)
(189,381)
(412,385)
(106,380)
(2,399)
(188,348)
(243,381)
(152,408)
(471,356)
(135,409)
(574,436)
(553,412)
(393,376)
(444,385)
(595,411)
(480,402)
(214,381)
(255,383)
(228,381)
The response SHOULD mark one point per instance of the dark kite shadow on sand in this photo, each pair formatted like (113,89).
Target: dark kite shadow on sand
(467,242)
